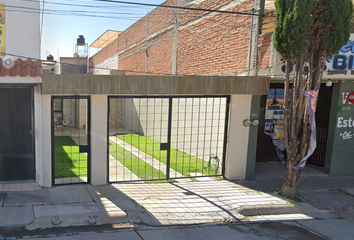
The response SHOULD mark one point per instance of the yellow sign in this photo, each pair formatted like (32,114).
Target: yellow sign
(2,30)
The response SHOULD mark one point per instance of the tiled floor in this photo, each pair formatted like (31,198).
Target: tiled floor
(196,202)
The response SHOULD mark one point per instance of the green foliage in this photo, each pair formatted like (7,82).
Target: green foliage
(297,21)
(293,24)
(68,161)
(280,193)
(337,15)
(137,166)
(179,161)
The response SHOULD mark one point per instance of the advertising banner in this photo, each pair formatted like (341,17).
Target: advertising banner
(2,30)
(311,97)
(274,119)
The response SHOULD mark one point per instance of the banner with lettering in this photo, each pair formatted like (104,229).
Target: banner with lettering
(2,30)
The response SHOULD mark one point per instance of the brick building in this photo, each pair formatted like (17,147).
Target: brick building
(188,42)
(180,41)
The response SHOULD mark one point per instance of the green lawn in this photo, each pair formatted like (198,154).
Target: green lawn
(139,167)
(68,162)
(179,161)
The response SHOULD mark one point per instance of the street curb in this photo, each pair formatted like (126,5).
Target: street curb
(268,209)
(16,217)
(78,220)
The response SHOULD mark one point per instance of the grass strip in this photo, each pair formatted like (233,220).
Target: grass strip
(179,161)
(137,166)
(68,161)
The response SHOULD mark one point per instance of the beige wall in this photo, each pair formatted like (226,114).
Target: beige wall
(237,146)
(44,176)
(99,139)
(22,29)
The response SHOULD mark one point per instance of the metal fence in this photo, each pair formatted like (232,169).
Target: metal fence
(70,140)
(163,138)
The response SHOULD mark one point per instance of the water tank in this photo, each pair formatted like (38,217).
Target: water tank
(80,40)
(50,57)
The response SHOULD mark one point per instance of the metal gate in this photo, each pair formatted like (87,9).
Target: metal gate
(70,140)
(17,160)
(159,138)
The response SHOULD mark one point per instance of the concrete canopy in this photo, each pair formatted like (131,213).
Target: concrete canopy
(153,85)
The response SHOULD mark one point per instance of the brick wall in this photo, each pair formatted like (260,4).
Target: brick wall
(105,53)
(207,43)
(215,46)
(264,50)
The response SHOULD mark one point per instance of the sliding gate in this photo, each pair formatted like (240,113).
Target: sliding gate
(166,137)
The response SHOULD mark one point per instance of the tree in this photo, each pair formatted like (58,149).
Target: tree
(307,32)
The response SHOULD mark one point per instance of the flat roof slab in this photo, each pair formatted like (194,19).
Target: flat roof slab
(153,85)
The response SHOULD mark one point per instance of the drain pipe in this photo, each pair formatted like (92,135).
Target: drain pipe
(250,45)
(257,35)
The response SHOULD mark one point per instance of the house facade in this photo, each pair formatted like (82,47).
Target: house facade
(20,97)
(177,41)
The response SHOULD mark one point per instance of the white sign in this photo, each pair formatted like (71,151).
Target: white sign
(346,135)
(343,123)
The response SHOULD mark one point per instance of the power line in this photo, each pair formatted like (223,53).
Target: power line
(177,7)
(40,40)
(154,5)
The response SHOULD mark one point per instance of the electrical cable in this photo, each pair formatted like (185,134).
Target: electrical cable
(157,5)
(40,40)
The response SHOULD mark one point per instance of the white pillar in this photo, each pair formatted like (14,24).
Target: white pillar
(99,139)
(44,168)
(37,131)
(237,145)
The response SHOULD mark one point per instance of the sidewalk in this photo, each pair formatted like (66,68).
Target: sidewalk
(207,201)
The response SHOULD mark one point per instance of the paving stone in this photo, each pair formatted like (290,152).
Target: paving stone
(65,209)
(333,199)
(2,198)
(16,216)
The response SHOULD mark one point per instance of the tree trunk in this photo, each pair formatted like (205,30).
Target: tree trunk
(291,181)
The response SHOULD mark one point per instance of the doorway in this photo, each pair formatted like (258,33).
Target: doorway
(70,140)
(267,148)
(17,158)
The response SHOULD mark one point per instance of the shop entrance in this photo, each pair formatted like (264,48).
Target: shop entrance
(270,131)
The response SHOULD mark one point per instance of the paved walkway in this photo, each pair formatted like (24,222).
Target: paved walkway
(26,205)
(146,158)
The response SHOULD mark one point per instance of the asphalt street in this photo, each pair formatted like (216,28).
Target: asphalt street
(259,231)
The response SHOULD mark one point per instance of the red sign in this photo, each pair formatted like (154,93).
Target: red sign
(351,97)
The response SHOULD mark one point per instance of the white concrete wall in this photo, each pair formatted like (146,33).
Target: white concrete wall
(81,114)
(104,68)
(237,146)
(38,133)
(99,139)
(69,110)
(197,123)
(44,165)
(22,29)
